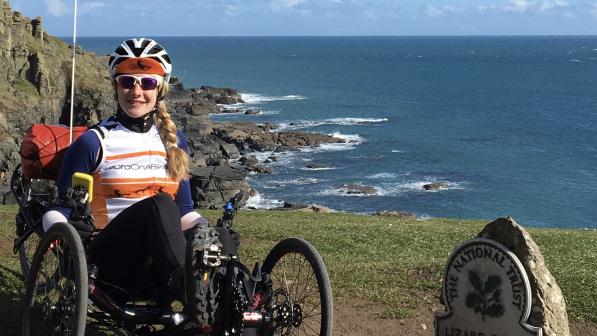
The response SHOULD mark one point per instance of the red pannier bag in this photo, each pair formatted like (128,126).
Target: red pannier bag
(43,149)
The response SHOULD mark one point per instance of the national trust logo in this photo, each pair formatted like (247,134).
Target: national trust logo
(486,293)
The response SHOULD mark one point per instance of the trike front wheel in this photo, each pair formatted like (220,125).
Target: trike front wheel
(301,292)
(57,286)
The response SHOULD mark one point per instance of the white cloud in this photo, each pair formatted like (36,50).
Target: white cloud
(441,11)
(57,7)
(487,9)
(547,5)
(529,7)
(89,6)
(519,6)
(287,3)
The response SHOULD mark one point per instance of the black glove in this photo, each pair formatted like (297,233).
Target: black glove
(84,227)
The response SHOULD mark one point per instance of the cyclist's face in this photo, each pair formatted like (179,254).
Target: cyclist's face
(136,102)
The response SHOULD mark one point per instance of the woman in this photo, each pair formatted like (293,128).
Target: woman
(142,202)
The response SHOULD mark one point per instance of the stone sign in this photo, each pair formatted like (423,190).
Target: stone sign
(486,293)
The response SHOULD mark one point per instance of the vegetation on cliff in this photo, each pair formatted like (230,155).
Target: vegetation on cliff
(35,81)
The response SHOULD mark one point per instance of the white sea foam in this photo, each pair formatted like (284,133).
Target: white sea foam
(260,202)
(423,217)
(349,138)
(316,169)
(298,181)
(393,188)
(289,126)
(283,158)
(349,142)
(343,191)
(382,176)
(397,151)
(255,98)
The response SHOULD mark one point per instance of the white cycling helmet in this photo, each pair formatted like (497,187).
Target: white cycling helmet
(140,55)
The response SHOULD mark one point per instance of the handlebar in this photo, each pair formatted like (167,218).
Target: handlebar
(230,210)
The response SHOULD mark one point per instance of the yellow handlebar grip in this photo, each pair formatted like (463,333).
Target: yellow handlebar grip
(84,180)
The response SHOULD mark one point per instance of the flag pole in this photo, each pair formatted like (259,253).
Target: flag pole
(72,79)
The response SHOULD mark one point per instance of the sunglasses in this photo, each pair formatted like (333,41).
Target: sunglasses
(146,82)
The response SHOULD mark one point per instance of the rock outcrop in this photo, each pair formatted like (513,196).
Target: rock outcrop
(357,189)
(214,186)
(395,214)
(548,310)
(35,82)
(436,185)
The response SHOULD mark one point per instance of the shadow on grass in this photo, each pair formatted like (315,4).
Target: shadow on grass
(12,291)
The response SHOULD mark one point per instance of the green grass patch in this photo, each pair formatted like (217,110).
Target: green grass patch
(25,87)
(396,263)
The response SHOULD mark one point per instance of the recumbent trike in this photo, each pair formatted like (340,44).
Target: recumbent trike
(289,294)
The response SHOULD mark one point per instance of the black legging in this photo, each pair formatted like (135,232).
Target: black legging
(143,240)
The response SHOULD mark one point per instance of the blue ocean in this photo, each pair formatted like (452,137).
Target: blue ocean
(510,123)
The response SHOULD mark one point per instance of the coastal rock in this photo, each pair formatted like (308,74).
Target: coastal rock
(259,169)
(232,110)
(246,136)
(252,112)
(283,149)
(436,185)
(221,95)
(248,160)
(200,108)
(317,166)
(302,139)
(548,309)
(230,151)
(212,187)
(358,189)
(298,206)
(292,206)
(316,208)
(396,214)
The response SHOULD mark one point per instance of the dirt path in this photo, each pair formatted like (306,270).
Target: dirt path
(361,318)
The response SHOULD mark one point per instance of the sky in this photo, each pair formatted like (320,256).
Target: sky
(314,17)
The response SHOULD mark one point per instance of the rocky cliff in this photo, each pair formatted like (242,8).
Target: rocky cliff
(35,84)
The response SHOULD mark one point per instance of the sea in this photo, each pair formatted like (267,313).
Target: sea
(508,123)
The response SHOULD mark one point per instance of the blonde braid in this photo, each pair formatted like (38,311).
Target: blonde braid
(178,160)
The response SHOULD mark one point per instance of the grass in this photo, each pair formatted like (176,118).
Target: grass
(396,263)
(24,86)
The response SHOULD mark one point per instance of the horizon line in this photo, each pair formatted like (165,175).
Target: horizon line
(282,36)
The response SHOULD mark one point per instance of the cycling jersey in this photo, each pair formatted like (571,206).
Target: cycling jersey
(127,166)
